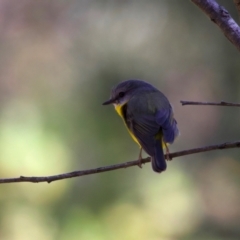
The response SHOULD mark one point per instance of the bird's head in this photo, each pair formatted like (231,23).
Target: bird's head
(124,91)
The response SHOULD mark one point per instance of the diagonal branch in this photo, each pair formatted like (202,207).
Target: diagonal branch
(219,15)
(222,103)
(52,178)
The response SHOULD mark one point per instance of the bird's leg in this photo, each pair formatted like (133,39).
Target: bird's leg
(167,153)
(140,158)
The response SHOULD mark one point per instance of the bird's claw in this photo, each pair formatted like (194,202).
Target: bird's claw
(140,158)
(168,158)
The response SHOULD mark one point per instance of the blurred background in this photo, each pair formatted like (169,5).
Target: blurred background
(58,62)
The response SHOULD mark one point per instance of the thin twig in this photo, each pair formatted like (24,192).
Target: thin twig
(222,103)
(50,179)
(219,15)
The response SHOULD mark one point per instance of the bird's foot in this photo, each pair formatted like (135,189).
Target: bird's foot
(140,158)
(168,158)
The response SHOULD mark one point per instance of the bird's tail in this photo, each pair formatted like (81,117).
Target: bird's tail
(158,161)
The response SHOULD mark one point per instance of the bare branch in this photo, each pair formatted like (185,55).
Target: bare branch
(237,3)
(50,179)
(222,18)
(222,103)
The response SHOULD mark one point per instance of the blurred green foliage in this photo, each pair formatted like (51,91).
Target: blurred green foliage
(58,62)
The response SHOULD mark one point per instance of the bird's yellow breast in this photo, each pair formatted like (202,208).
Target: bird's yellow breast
(119,109)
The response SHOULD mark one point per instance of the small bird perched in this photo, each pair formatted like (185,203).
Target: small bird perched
(148,117)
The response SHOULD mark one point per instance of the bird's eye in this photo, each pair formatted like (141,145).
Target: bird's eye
(121,94)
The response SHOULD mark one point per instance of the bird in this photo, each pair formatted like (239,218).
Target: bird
(149,118)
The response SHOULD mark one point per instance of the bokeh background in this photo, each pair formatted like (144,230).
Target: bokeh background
(58,62)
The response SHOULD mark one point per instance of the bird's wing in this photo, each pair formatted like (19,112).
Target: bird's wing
(145,120)
(144,129)
(166,121)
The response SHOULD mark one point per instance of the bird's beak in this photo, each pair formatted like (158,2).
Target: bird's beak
(110,101)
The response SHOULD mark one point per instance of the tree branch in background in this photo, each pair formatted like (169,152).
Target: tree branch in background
(222,18)
(210,103)
(237,3)
(50,179)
